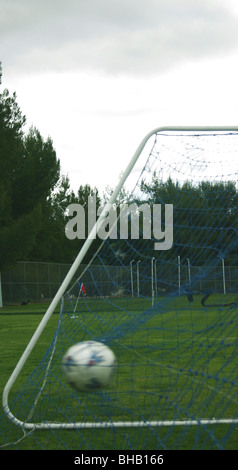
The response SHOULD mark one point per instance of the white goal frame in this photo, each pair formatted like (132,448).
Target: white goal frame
(59,294)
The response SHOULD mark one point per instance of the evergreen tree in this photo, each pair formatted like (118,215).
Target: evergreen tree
(29,172)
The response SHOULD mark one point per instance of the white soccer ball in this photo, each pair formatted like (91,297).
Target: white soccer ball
(88,366)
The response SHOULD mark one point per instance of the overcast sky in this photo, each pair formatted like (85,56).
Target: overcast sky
(97,75)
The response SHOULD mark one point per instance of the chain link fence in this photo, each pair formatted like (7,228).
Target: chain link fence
(38,282)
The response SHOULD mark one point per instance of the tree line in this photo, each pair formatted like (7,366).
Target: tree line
(34,196)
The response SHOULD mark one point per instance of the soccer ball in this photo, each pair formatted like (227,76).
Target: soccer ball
(88,366)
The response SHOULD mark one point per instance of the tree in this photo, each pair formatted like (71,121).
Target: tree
(51,242)
(205,217)
(29,173)
(37,175)
(82,198)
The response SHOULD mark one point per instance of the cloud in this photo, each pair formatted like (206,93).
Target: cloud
(133,37)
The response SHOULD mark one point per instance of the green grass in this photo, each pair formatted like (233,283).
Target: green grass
(176,363)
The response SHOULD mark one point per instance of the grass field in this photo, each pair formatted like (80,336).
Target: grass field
(176,362)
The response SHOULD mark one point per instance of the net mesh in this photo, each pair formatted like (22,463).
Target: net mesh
(158,294)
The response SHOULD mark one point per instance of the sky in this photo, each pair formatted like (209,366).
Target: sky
(98,75)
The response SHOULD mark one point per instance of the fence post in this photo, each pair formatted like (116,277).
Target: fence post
(0,291)
(223,275)
(179,275)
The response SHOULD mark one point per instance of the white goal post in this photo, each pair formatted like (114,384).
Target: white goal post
(63,288)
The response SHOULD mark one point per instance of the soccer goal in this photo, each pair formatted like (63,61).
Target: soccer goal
(160,250)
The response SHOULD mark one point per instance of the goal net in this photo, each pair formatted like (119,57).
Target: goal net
(162,292)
